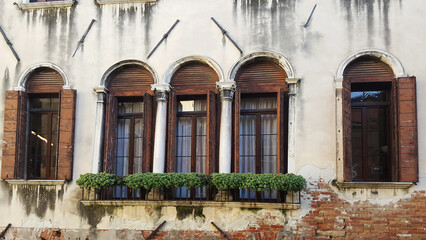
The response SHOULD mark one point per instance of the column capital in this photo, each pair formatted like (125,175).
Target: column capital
(338,81)
(292,81)
(103,90)
(160,87)
(226,90)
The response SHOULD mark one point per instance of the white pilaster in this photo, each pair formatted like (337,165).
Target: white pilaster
(339,129)
(292,84)
(159,158)
(227,90)
(98,138)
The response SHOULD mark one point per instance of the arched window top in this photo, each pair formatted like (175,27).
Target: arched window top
(194,75)
(130,77)
(44,80)
(368,69)
(261,73)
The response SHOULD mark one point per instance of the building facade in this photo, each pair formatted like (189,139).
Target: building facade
(328,90)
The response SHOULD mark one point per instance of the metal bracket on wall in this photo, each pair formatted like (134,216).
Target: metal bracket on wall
(84,36)
(310,16)
(226,34)
(221,231)
(10,44)
(164,37)
(155,231)
(3,233)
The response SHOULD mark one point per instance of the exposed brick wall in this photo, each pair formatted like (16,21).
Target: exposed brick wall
(330,216)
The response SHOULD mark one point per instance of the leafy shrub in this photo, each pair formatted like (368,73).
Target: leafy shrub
(166,180)
(98,180)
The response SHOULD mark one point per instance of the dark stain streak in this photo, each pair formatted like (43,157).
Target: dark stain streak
(147,16)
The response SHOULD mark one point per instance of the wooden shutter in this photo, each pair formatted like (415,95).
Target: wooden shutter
(110,134)
(211,133)
(346,127)
(368,69)
(66,133)
(237,131)
(148,130)
(282,129)
(407,129)
(171,130)
(14,136)
(130,80)
(261,76)
(45,80)
(194,77)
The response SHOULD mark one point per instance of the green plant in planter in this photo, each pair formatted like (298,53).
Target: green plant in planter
(98,180)
(165,180)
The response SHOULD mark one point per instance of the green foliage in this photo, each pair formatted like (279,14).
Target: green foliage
(258,182)
(98,180)
(222,181)
(166,180)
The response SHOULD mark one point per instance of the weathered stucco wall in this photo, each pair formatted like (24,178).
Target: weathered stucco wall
(129,31)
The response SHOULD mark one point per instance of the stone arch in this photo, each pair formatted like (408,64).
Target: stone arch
(28,72)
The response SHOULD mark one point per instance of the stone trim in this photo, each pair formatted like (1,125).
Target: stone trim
(42,5)
(25,75)
(374,185)
(35,182)
(192,204)
(103,2)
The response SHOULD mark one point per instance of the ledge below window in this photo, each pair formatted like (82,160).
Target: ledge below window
(102,2)
(192,204)
(36,182)
(41,5)
(374,185)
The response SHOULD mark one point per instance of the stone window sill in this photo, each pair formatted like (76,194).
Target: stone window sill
(375,185)
(103,2)
(191,204)
(35,182)
(42,5)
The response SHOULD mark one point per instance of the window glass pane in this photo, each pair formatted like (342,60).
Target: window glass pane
(44,103)
(369,96)
(192,106)
(183,144)
(130,107)
(248,143)
(258,103)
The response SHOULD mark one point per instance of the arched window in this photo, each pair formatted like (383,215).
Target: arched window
(261,117)
(192,119)
(379,123)
(129,128)
(39,124)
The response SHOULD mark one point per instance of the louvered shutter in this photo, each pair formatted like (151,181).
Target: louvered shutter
(282,116)
(237,131)
(171,130)
(211,137)
(346,126)
(45,80)
(110,134)
(148,130)
(407,129)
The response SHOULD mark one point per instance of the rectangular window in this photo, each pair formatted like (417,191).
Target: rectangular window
(43,137)
(191,139)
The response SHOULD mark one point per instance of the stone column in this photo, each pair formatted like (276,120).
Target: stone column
(98,147)
(226,90)
(339,129)
(292,84)
(159,158)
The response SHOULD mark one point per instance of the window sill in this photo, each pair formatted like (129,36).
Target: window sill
(191,204)
(42,5)
(374,185)
(35,182)
(103,2)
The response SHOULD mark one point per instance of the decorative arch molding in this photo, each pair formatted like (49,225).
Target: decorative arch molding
(27,73)
(176,65)
(281,60)
(110,70)
(385,57)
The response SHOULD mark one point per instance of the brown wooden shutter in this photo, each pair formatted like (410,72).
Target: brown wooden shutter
(171,129)
(261,76)
(66,133)
(211,133)
(148,130)
(368,69)
(346,127)
(45,80)
(407,129)
(282,116)
(110,134)
(194,76)
(130,81)
(237,131)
